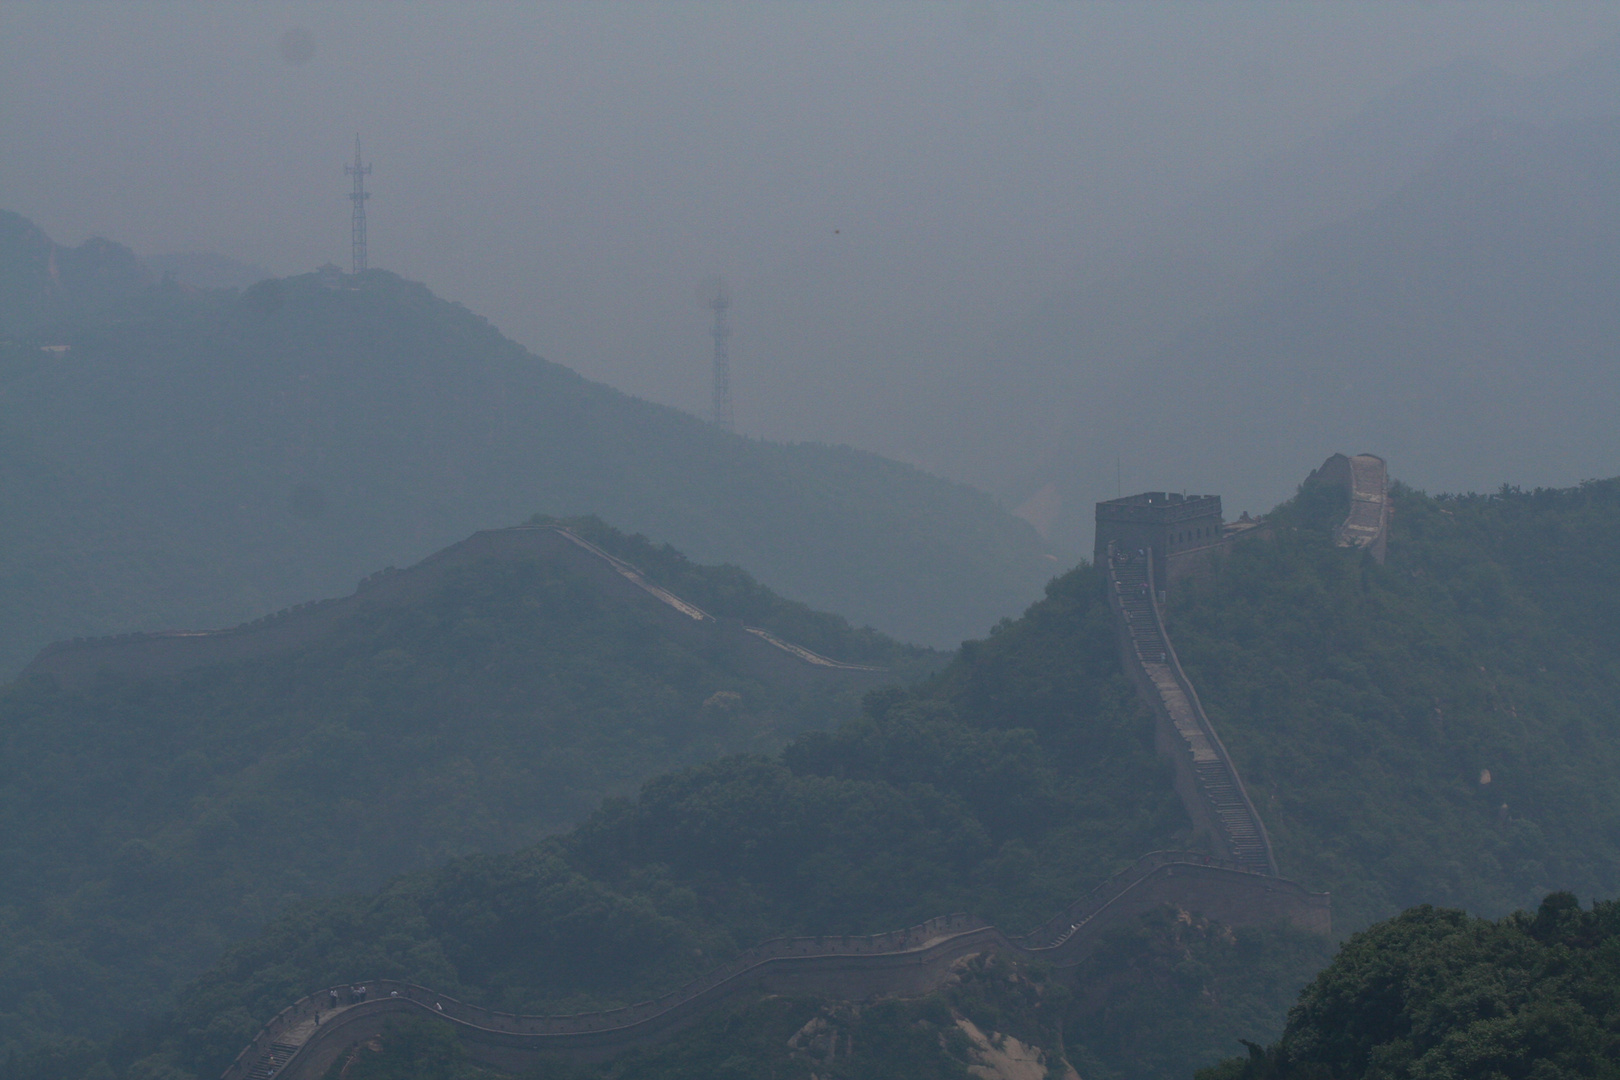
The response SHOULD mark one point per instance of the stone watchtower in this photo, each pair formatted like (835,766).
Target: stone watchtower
(1164,523)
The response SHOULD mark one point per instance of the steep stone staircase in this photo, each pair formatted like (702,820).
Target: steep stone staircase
(1237,825)
(274,1057)
(1367,524)
(281,1040)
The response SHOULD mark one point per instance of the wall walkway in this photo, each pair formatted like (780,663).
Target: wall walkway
(1206,779)
(306,1037)
(152,655)
(1366,478)
(1238,885)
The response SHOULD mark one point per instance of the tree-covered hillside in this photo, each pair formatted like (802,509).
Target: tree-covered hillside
(1351,694)
(198,458)
(1437,993)
(1442,729)
(146,824)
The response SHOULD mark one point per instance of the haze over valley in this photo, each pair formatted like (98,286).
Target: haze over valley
(840,542)
(959,237)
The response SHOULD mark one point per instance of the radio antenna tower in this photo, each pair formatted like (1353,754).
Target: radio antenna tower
(720,304)
(357,227)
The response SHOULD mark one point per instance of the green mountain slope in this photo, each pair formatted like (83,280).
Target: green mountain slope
(1445,728)
(199,458)
(1362,703)
(1437,993)
(147,823)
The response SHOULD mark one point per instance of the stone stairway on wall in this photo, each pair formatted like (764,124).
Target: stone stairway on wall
(1237,826)
(1367,524)
(270,1062)
(284,1038)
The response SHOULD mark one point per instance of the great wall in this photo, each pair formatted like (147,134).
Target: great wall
(148,655)
(305,1039)
(1366,479)
(1144,544)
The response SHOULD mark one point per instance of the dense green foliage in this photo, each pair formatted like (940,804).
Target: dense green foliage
(1362,703)
(733,593)
(1009,785)
(146,824)
(1159,998)
(1444,728)
(785,1039)
(202,458)
(1437,993)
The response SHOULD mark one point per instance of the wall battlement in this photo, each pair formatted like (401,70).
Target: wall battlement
(1164,523)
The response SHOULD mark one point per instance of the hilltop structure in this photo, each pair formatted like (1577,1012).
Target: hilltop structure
(1365,478)
(1181,531)
(1145,543)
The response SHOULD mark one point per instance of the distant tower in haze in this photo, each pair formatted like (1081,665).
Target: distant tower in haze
(357,227)
(720,303)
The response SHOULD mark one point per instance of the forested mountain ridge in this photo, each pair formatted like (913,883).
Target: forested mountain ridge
(1476,285)
(1024,772)
(475,706)
(1438,993)
(1440,729)
(198,458)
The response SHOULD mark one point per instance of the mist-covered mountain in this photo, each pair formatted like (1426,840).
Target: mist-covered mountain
(177,457)
(151,813)
(1470,322)
(1113,376)
(45,286)
(207,269)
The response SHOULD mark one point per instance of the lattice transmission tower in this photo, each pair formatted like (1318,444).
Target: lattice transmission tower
(357,224)
(720,303)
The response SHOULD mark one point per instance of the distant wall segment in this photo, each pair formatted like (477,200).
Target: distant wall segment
(1365,478)
(156,655)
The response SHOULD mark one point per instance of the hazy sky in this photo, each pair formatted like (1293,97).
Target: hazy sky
(886,186)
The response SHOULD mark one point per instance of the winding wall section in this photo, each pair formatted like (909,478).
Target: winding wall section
(1366,478)
(1238,885)
(303,1040)
(149,655)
